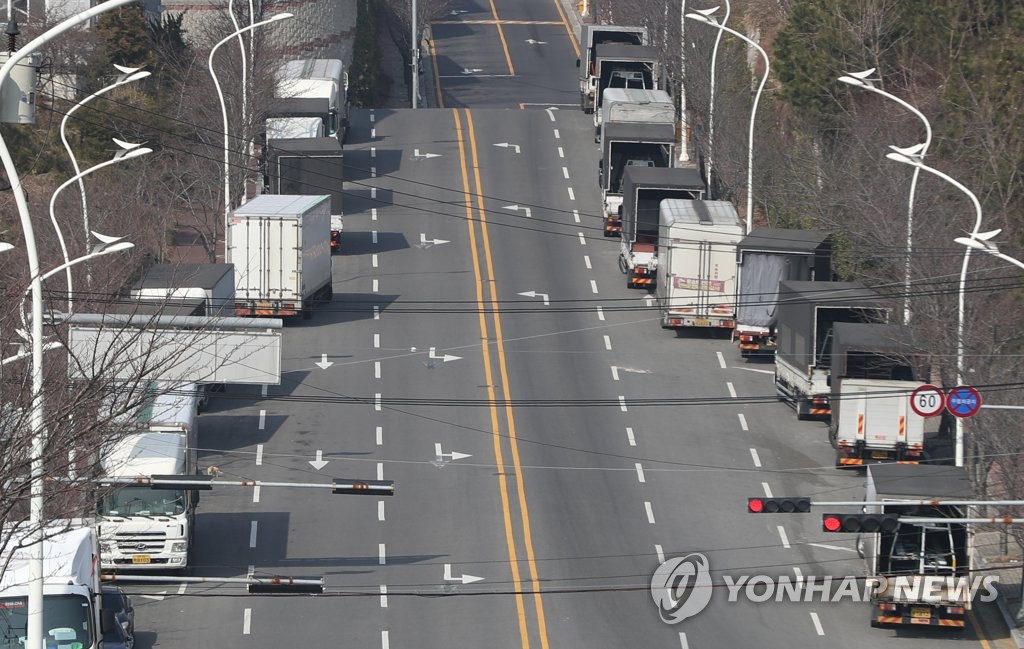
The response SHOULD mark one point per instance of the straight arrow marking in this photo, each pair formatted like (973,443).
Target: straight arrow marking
(324,363)
(319,462)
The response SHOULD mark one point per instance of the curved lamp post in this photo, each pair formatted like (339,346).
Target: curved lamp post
(34,630)
(911,156)
(863,80)
(127,152)
(711,106)
(224,112)
(981,241)
(705,16)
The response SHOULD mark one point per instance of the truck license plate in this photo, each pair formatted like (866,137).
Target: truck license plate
(140,558)
(701,322)
(879,455)
(920,611)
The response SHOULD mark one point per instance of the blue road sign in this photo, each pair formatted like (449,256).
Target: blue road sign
(963,401)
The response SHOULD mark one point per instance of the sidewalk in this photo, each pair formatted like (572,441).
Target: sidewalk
(1001,557)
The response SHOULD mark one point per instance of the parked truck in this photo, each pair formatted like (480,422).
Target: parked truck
(72,601)
(696,279)
(633,105)
(643,189)
(308,166)
(807,314)
(875,368)
(627,145)
(281,248)
(211,285)
(624,66)
(767,256)
(592,36)
(307,90)
(142,527)
(924,570)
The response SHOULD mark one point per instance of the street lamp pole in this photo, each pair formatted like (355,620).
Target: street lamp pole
(711,107)
(224,113)
(414,55)
(684,145)
(911,157)
(862,80)
(705,16)
(980,241)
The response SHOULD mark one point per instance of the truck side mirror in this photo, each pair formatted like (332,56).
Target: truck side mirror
(577,63)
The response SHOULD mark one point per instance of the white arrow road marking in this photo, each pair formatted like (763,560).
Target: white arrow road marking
(319,462)
(465,579)
(424,156)
(534,42)
(445,358)
(832,547)
(424,241)
(517,207)
(550,111)
(536,294)
(454,455)
(506,145)
(159,596)
(324,363)
(471,70)
(456,12)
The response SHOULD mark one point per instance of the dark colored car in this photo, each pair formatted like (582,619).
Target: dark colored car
(117,603)
(115,637)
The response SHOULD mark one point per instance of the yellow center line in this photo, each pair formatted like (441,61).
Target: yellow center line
(504,44)
(568,29)
(513,440)
(437,79)
(495,431)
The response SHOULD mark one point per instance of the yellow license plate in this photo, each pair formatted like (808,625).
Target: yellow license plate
(920,611)
(879,455)
(140,558)
(701,322)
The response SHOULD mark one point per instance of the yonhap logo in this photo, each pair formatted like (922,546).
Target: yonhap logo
(681,587)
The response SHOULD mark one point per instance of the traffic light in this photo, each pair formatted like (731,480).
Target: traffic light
(798,505)
(364,487)
(860,522)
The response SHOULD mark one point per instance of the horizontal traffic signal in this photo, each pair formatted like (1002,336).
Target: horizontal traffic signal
(798,505)
(364,487)
(860,522)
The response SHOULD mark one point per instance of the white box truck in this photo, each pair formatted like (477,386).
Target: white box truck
(281,249)
(633,105)
(142,527)
(696,284)
(211,284)
(307,91)
(309,166)
(592,36)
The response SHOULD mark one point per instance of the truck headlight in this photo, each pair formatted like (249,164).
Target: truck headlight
(179,546)
(106,547)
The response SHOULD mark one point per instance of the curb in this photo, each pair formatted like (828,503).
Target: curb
(1004,609)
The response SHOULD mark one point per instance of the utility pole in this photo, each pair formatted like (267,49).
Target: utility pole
(415,59)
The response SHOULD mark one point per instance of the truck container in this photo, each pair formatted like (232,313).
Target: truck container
(212,285)
(807,313)
(624,66)
(311,167)
(281,248)
(310,79)
(925,570)
(696,284)
(767,256)
(875,368)
(627,145)
(592,36)
(142,527)
(72,600)
(643,189)
(634,106)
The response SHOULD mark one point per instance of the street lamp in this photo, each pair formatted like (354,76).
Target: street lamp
(224,112)
(711,106)
(127,152)
(980,241)
(705,16)
(912,156)
(862,80)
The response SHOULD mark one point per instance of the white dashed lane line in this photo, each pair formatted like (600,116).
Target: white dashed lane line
(608,343)
(755,457)
(576,216)
(259,454)
(373,152)
(743,421)
(385,643)
(256,494)
(767,490)
(374,260)
(380,510)
(380,470)
(615,373)
(373,213)
(382,557)
(376,286)
(683,644)
(640,473)
(263,419)
(622,403)
(586,262)
(600,314)
(572,196)
(376,341)
(383,596)
(782,535)
(376,401)
(565,172)
(252,534)
(661,553)
(650,512)
(583,239)
(561,153)
(630,437)
(376,312)
(246,621)
(373,236)
(380,435)
(376,369)
(593,286)
(732,390)
(721,360)
(817,623)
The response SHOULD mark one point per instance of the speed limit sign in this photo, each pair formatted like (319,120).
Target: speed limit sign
(927,400)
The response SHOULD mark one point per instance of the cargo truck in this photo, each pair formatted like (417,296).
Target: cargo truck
(627,145)
(307,90)
(213,285)
(924,569)
(634,106)
(807,313)
(624,66)
(875,368)
(696,283)
(72,601)
(643,189)
(308,166)
(281,249)
(592,36)
(142,527)
(767,256)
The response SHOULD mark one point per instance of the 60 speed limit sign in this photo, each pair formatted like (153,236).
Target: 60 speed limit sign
(927,400)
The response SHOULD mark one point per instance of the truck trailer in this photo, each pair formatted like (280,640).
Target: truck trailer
(643,189)
(627,145)
(767,256)
(323,81)
(592,36)
(625,66)
(875,368)
(924,570)
(281,248)
(212,285)
(633,106)
(311,167)
(696,283)
(807,313)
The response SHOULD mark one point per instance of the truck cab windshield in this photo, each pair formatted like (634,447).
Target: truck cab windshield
(143,501)
(66,618)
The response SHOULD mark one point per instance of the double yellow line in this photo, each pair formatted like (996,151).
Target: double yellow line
(483,273)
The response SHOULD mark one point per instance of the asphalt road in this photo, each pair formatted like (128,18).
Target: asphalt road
(487,357)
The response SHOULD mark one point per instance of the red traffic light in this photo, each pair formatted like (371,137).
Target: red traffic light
(831,523)
(755,505)
(860,523)
(797,505)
